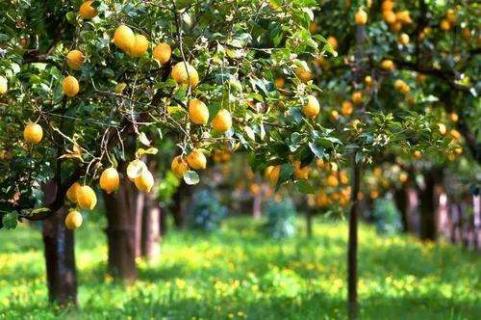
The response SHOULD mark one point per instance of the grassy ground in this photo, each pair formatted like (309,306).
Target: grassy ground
(239,274)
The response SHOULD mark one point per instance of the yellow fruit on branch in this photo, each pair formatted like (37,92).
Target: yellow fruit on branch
(389,17)
(311,108)
(87,11)
(445,25)
(272,174)
(301,172)
(361,17)
(334,115)
(33,133)
(279,83)
(455,134)
(70,86)
(404,17)
(3,85)
(368,81)
(109,180)
(387,65)
(417,154)
(454,116)
(135,169)
(403,39)
(401,86)
(332,181)
(73,220)
(347,108)
(86,197)
(357,97)
(387,5)
(198,112)
(162,53)
(184,73)
(75,59)
(451,16)
(145,181)
(303,73)
(442,128)
(332,41)
(72,192)
(179,166)
(322,200)
(139,47)
(222,121)
(197,160)
(124,38)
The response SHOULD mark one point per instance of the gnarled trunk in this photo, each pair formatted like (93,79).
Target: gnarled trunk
(60,260)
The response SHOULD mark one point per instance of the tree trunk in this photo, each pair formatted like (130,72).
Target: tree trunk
(353,306)
(177,208)
(427,208)
(139,202)
(257,206)
(401,200)
(151,227)
(60,260)
(121,232)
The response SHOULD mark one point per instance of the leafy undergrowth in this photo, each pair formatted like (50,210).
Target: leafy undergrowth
(239,274)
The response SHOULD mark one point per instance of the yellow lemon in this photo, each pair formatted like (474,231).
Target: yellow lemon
(387,5)
(86,197)
(87,11)
(357,97)
(72,192)
(70,86)
(139,47)
(404,17)
(222,121)
(197,160)
(162,53)
(73,220)
(198,112)
(279,83)
(445,25)
(360,17)
(332,181)
(311,108)
(389,16)
(135,169)
(124,38)
(332,42)
(179,166)
(303,73)
(145,181)
(272,174)
(75,59)
(109,180)
(387,65)
(301,172)
(347,108)
(3,85)
(33,133)
(184,73)
(404,39)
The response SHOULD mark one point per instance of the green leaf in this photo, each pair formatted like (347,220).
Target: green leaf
(191,177)
(305,187)
(10,220)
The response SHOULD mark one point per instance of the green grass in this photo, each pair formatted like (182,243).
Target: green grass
(239,274)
